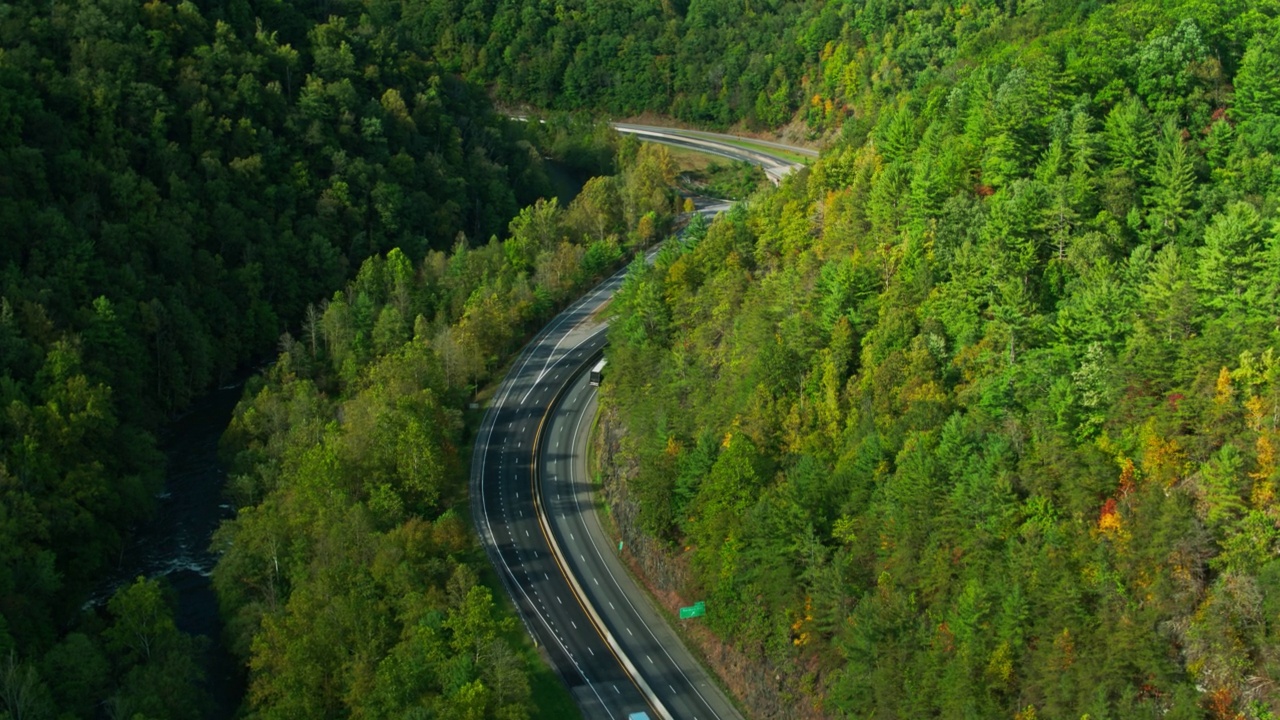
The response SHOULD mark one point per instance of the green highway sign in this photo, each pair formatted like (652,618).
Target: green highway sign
(697,609)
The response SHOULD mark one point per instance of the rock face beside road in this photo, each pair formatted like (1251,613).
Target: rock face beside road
(762,689)
(535,511)
(533,508)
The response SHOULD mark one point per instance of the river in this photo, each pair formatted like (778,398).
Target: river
(175,543)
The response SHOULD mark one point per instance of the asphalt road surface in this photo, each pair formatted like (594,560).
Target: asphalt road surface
(569,503)
(536,516)
(728,146)
(612,649)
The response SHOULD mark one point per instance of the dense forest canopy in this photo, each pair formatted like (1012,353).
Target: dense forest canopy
(718,62)
(979,417)
(178,181)
(350,576)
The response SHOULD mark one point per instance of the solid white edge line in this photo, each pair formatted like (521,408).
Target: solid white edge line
(573,453)
(478,482)
(481,450)
(628,666)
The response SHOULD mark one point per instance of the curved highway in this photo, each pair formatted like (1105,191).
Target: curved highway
(732,147)
(569,504)
(614,652)
(535,513)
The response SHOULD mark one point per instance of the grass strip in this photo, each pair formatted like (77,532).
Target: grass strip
(767,150)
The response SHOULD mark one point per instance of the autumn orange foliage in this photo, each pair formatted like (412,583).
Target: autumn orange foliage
(1109,518)
(1222,704)
(1127,473)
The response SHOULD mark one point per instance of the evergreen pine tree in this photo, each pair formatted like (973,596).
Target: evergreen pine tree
(1173,182)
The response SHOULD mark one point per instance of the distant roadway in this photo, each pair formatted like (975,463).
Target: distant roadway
(536,517)
(750,150)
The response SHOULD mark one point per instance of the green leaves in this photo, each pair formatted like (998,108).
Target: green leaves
(983,517)
(347,578)
(1172,182)
(158,664)
(184,180)
(1165,72)
(645,319)
(1129,137)
(1230,257)
(1257,90)
(535,230)
(1221,485)
(143,625)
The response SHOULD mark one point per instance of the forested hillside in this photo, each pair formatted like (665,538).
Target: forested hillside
(979,417)
(178,181)
(711,62)
(350,575)
(829,64)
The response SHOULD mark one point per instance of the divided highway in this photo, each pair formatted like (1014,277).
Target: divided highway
(732,147)
(757,152)
(535,512)
(613,651)
(570,507)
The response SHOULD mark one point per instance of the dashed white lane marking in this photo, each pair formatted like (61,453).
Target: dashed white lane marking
(611,605)
(630,633)
(526,533)
(559,600)
(646,657)
(593,652)
(615,689)
(673,692)
(546,576)
(595,581)
(574,624)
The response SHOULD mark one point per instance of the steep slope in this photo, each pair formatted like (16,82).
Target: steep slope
(177,183)
(978,417)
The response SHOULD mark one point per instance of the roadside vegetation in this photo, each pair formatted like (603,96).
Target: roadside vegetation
(349,473)
(731,180)
(178,181)
(977,417)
